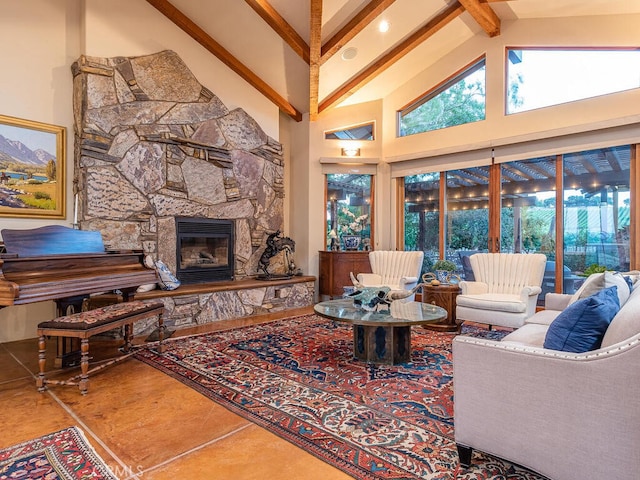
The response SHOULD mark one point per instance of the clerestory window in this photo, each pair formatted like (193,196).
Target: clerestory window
(541,77)
(459,100)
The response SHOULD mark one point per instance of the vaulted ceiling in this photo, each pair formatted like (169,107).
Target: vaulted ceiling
(312,55)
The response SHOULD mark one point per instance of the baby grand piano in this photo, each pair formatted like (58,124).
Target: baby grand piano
(65,265)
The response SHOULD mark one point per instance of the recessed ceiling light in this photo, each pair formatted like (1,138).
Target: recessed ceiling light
(383,27)
(349,53)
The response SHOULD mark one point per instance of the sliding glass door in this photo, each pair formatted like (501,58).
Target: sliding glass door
(596,202)
(574,208)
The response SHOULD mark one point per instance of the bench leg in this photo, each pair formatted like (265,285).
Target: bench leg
(42,356)
(161,347)
(84,366)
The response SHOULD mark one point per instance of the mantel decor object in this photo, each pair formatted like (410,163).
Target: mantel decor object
(276,243)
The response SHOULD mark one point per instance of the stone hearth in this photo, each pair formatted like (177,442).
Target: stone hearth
(152,144)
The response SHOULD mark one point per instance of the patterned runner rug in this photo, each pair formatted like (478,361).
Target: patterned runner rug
(64,455)
(297,378)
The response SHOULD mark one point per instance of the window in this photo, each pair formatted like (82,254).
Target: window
(550,76)
(349,211)
(467,215)
(365,131)
(528,213)
(588,193)
(597,208)
(459,100)
(422,212)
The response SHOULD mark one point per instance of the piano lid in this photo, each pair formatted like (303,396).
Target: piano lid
(51,240)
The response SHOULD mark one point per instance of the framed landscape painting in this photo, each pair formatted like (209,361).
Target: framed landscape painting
(32,164)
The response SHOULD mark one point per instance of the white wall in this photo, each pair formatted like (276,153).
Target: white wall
(312,188)
(39,40)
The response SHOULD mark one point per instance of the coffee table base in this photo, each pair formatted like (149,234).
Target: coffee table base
(382,344)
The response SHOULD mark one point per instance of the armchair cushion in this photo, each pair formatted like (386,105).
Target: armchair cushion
(581,327)
(493,301)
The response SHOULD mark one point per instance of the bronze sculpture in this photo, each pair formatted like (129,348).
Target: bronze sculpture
(275,244)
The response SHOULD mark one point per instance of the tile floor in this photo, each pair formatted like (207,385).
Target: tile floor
(145,424)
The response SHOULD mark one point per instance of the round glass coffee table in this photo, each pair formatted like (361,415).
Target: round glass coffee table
(382,336)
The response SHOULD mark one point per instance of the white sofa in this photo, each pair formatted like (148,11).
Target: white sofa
(568,416)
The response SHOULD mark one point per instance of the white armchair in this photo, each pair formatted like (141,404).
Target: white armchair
(398,270)
(505,290)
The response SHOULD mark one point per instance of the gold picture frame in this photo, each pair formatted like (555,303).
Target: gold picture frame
(32,169)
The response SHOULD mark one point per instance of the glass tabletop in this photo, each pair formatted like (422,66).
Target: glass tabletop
(398,314)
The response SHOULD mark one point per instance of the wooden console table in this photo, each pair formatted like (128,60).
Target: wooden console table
(443,296)
(335,267)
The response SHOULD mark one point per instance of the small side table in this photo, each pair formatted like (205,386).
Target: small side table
(443,296)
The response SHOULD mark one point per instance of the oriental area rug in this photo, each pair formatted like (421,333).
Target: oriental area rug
(63,455)
(297,378)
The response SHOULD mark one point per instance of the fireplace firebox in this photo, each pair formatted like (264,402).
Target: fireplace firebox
(204,250)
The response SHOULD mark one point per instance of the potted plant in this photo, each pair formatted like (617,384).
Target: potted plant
(443,269)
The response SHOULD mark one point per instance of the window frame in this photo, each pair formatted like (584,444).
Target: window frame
(430,94)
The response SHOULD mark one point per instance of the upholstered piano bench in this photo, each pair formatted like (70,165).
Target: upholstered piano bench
(85,324)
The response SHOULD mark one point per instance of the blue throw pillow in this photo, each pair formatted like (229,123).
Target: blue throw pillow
(582,325)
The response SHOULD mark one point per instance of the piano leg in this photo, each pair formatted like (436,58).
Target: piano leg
(68,349)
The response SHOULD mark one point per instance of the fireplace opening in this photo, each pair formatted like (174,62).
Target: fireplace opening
(204,250)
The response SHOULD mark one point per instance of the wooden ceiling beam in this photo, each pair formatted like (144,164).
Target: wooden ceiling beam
(484,15)
(315,45)
(200,36)
(423,33)
(353,27)
(281,27)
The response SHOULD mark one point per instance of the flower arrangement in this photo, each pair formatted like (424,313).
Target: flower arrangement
(356,224)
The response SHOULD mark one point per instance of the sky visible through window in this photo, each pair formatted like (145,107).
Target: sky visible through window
(551,77)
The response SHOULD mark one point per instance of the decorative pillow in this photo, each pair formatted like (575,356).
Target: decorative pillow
(582,325)
(148,262)
(168,281)
(599,281)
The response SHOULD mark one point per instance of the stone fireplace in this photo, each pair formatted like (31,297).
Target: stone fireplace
(204,250)
(153,145)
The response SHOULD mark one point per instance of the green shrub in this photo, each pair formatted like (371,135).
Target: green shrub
(444,265)
(594,268)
